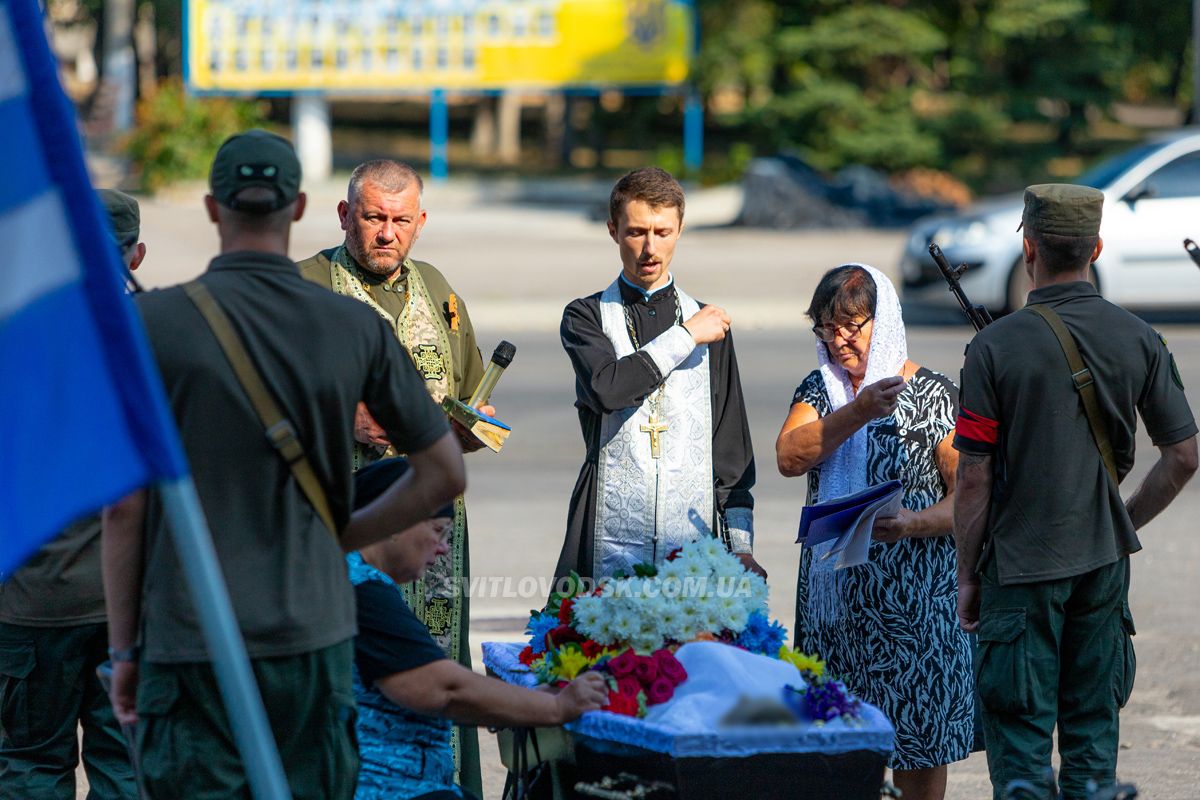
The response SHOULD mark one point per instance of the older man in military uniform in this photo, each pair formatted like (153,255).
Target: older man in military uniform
(52,638)
(279,545)
(1050,399)
(382,216)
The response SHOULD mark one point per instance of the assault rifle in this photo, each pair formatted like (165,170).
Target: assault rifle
(977,315)
(1193,250)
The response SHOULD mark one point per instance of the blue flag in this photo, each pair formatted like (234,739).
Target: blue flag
(83,416)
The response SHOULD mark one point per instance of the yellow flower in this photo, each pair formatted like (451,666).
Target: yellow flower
(605,653)
(571,663)
(802,661)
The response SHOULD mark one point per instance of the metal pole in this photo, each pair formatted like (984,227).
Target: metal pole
(693,131)
(439,135)
(693,109)
(239,692)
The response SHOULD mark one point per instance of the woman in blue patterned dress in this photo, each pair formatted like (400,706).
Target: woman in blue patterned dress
(887,628)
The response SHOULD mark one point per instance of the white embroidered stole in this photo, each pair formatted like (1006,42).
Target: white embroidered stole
(647,507)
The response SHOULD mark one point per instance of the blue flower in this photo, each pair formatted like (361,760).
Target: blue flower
(540,625)
(761,635)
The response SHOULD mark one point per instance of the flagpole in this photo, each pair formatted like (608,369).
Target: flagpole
(239,691)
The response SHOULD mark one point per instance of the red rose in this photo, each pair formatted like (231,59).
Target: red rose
(629,686)
(646,670)
(526,656)
(564,611)
(621,704)
(564,634)
(623,664)
(591,649)
(674,554)
(660,691)
(669,667)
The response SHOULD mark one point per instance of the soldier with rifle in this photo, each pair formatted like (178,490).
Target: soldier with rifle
(1050,399)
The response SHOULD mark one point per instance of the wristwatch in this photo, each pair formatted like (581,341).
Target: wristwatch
(124,655)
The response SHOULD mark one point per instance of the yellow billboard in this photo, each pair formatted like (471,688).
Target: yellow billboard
(366,46)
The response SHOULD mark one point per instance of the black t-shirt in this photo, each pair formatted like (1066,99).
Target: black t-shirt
(319,355)
(390,637)
(1055,512)
(60,586)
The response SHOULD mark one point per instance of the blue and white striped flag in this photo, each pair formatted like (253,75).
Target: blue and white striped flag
(83,417)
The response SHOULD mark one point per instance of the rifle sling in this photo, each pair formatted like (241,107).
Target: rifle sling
(1081,377)
(280,431)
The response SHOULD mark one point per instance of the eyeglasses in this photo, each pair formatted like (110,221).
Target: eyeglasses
(849,330)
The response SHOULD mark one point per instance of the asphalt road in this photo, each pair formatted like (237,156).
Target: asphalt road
(517,265)
(518,502)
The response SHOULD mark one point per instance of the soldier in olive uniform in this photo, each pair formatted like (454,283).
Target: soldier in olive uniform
(52,638)
(382,216)
(318,355)
(1043,534)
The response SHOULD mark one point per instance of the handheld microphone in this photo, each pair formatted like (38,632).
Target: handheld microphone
(501,358)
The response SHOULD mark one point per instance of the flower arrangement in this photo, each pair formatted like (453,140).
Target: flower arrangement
(822,699)
(629,626)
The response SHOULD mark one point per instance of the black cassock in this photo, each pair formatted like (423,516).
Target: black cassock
(604,383)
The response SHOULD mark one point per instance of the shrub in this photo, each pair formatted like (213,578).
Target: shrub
(177,135)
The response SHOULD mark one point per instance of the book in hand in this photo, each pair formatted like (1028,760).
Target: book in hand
(848,522)
(489,430)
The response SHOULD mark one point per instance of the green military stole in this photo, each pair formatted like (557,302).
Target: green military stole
(438,600)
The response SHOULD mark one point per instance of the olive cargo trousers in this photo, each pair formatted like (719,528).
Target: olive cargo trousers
(48,689)
(1055,653)
(187,748)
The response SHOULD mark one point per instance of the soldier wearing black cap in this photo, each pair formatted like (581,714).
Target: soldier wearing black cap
(1050,400)
(317,355)
(52,638)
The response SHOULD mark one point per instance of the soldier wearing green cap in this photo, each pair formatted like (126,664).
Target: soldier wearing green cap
(1050,400)
(52,638)
(281,555)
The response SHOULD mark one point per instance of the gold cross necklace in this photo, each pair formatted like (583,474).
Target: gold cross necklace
(653,426)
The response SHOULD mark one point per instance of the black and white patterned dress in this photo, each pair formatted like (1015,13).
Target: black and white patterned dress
(888,628)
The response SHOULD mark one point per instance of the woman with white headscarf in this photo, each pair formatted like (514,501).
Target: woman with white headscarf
(887,628)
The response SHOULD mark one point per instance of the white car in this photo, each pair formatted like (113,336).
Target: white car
(1151,204)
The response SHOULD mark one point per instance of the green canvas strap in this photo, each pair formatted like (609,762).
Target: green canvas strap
(280,431)
(1084,383)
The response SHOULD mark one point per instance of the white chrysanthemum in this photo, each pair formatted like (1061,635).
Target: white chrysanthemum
(650,608)
(669,621)
(724,605)
(736,619)
(693,565)
(624,624)
(670,569)
(709,548)
(588,612)
(710,620)
(758,592)
(604,633)
(689,615)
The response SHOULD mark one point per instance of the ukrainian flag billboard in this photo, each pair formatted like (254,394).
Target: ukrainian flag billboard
(365,46)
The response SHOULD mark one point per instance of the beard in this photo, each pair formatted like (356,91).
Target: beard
(383,264)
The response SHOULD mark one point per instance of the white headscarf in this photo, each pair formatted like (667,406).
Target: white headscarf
(845,471)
